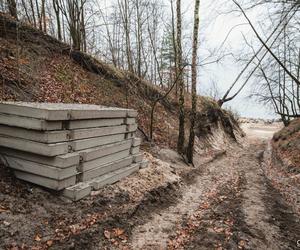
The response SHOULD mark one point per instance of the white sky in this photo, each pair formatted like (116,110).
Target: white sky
(215,27)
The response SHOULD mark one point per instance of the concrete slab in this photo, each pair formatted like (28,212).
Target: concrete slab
(46,182)
(107,168)
(132,113)
(29,123)
(78,191)
(34,135)
(60,161)
(44,111)
(40,169)
(129,120)
(137,158)
(86,166)
(95,142)
(134,150)
(113,177)
(94,153)
(132,127)
(130,135)
(63,111)
(97,113)
(136,142)
(34,147)
(96,132)
(77,124)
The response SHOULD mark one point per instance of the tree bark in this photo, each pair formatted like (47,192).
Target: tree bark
(190,150)
(12,7)
(57,14)
(180,142)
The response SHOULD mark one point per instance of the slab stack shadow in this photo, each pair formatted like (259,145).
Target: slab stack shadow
(75,148)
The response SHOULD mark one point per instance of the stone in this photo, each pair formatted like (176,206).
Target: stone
(78,191)
(94,153)
(113,177)
(29,123)
(34,135)
(60,161)
(85,166)
(34,147)
(96,132)
(40,169)
(137,158)
(95,142)
(46,182)
(94,123)
(107,168)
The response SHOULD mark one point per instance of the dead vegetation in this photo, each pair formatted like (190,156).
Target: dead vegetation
(286,145)
(37,67)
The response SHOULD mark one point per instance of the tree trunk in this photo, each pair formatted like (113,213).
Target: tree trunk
(180,142)
(12,7)
(43,16)
(33,13)
(57,14)
(190,150)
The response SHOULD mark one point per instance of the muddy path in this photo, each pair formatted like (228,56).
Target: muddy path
(229,204)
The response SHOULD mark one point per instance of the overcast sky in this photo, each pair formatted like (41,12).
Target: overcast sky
(215,25)
(216,21)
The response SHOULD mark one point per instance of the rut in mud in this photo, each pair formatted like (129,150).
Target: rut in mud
(228,205)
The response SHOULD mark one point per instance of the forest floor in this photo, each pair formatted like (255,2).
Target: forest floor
(224,202)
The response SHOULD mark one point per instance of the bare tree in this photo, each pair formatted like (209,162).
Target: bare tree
(181,136)
(12,7)
(190,150)
(58,19)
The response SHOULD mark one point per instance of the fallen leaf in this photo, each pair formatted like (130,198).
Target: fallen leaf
(3,209)
(107,234)
(218,229)
(49,243)
(37,238)
(118,231)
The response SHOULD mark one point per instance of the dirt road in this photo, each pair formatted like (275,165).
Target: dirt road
(223,203)
(229,204)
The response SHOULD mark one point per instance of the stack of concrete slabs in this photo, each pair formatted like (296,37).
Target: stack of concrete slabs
(57,145)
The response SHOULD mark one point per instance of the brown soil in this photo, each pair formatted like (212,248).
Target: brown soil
(282,163)
(224,202)
(286,146)
(231,205)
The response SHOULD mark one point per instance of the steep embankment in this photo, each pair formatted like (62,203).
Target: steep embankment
(37,67)
(283,163)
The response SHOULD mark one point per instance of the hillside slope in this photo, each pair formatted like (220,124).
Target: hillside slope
(283,163)
(37,67)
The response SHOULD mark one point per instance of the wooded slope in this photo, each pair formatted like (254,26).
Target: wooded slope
(37,67)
